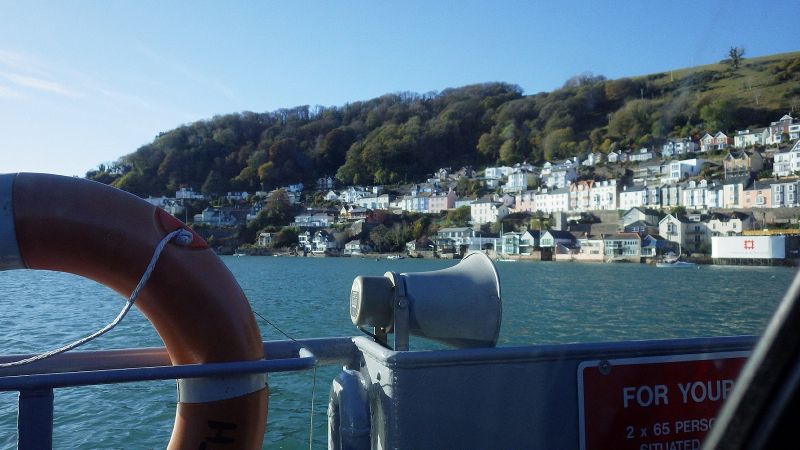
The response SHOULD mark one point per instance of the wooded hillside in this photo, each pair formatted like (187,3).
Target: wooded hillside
(404,136)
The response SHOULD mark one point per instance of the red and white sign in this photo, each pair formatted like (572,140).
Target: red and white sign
(653,403)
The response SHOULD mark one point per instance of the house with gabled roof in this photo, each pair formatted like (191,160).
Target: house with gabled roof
(551,238)
(778,128)
(648,216)
(730,224)
(718,141)
(654,245)
(739,162)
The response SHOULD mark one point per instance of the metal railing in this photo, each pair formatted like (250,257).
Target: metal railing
(36,381)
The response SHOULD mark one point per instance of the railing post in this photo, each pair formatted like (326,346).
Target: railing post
(35,419)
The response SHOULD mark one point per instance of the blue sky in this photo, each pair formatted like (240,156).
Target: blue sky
(85,82)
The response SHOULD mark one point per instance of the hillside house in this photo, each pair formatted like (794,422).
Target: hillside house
(787,162)
(718,141)
(750,138)
(739,163)
(759,195)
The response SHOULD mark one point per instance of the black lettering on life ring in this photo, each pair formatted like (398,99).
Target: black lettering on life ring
(220,428)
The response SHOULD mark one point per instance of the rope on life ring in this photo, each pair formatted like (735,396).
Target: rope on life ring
(193,301)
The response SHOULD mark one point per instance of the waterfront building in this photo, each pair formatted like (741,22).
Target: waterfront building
(622,246)
(721,224)
(647,216)
(552,238)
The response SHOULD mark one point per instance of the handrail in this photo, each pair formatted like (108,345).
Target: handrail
(282,356)
(36,381)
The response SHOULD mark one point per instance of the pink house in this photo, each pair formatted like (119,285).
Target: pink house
(441,202)
(759,195)
(525,202)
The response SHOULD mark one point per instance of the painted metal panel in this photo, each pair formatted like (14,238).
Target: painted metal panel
(748,247)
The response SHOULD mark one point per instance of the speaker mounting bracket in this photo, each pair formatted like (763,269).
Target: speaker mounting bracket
(400,309)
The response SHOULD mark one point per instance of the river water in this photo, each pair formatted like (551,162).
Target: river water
(543,302)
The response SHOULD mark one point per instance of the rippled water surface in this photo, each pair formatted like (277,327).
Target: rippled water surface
(307,297)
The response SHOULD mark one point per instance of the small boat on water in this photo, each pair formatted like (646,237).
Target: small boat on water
(395,257)
(676,264)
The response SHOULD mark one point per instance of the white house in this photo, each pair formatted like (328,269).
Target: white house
(487,211)
(694,195)
(750,138)
(787,162)
(264,239)
(634,196)
(324,242)
(604,195)
(730,224)
(188,194)
(677,170)
(496,173)
(678,147)
(355,247)
(374,202)
(642,155)
(519,180)
(560,177)
(592,159)
(554,200)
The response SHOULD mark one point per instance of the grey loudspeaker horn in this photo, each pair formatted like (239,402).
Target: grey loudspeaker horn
(459,306)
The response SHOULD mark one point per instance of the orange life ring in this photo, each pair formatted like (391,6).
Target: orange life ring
(192,300)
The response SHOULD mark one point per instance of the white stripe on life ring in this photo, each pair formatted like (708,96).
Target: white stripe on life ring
(204,390)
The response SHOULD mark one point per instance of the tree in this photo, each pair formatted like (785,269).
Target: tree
(278,208)
(379,238)
(458,217)
(735,55)
(285,237)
